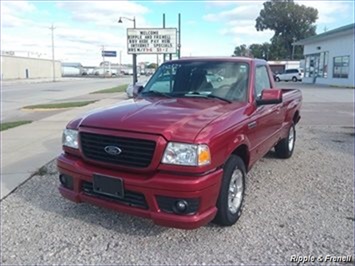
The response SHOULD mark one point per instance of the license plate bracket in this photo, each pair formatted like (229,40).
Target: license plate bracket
(109,186)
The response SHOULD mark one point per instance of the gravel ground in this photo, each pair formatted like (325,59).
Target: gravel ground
(300,206)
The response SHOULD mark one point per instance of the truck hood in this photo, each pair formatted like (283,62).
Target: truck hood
(182,118)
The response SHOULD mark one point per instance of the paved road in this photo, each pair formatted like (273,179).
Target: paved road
(301,206)
(16,96)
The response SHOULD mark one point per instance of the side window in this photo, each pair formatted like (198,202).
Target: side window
(262,80)
(165,80)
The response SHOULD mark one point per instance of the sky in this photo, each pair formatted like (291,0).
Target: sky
(208,28)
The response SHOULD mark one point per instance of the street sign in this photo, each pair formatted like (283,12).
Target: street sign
(109,53)
(151,41)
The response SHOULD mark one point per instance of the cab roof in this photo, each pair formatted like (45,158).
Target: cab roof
(220,58)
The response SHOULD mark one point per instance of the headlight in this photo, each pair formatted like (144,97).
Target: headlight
(187,154)
(70,138)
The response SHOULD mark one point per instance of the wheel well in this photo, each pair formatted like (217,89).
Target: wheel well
(243,152)
(296,117)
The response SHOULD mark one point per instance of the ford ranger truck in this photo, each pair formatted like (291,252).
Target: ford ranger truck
(179,151)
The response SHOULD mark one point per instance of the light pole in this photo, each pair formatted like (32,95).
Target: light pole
(134,56)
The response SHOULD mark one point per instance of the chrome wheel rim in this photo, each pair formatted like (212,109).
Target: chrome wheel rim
(291,139)
(235,192)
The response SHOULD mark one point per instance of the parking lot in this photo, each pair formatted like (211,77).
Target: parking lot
(302,206)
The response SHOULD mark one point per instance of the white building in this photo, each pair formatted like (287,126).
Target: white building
(15,67)
(329,57)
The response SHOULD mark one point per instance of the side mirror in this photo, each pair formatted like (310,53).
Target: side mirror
(137,89)
(270,96)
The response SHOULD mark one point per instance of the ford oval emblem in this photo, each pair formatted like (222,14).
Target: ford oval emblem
(113,150)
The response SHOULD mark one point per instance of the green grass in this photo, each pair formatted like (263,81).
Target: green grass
(8,125)
(121,88)
(58,105)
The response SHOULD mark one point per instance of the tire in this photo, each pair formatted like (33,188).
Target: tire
(284,149)
(277,79)
(229,210)
(219,79)
(294,79)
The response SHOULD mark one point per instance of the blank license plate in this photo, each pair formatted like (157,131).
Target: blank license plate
(108,186)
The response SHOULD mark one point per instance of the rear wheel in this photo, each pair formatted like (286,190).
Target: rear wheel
(285,147)
(277,79)
(231,196)
(294,79)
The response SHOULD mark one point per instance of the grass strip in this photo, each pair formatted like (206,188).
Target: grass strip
(58,105)
(8,125)
(121,88)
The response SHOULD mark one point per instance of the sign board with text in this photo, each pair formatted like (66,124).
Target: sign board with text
(109,53)
(151,41)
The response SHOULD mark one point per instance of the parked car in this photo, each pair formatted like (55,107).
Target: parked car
(180,157)
(212,77)
(290,74)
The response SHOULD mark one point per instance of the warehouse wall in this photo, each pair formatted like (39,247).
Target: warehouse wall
(13,67)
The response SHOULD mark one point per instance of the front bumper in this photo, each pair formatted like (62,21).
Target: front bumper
(205,188)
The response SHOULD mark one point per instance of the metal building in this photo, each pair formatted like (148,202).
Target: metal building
(329,57)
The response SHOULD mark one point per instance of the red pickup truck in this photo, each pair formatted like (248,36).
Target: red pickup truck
(179,152)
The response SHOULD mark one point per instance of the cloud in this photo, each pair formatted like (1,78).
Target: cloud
(12,13)
(239,23)
(220,3)
(328,11)
(242,11)
(105,13)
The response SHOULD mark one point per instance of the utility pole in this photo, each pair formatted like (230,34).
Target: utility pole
(164,28)
(52,28)
(179,39)
(103,59)
(293,47)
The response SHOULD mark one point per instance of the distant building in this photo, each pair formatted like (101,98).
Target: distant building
(16,67)
(73,69)
(329,57)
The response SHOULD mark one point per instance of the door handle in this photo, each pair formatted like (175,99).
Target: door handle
(252,124)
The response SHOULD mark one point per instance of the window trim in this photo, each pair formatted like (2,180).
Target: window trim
(341,67)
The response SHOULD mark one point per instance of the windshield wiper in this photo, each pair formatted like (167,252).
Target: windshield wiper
(157,93)
(208,96)
(217,97)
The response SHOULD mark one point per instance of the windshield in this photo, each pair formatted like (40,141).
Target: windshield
(208,79)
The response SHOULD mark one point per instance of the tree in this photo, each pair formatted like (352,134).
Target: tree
(241,50)
(260,50)
(289,21)
(152,65)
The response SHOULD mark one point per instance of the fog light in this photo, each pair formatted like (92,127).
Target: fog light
(62,179)
(66,181)
(181,206)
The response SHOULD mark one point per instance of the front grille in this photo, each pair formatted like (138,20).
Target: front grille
(135,152)
(133,199)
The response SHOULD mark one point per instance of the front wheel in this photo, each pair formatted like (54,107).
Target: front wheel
(285,147)
(231,196)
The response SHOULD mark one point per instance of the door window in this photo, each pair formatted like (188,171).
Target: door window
(262,80)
